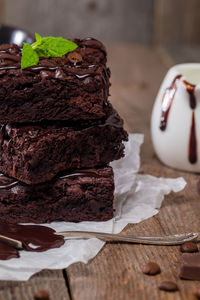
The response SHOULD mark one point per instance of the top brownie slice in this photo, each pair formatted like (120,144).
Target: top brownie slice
(73,87)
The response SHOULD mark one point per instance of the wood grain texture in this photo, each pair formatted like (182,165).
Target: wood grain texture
(51,281)
(176,22)
(116,272)
(113,20)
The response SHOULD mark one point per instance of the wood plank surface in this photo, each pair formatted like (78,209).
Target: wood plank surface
(176,22)
(115,273)
(51,281)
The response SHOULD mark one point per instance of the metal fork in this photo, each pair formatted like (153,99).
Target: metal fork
(175,239)
(167,240)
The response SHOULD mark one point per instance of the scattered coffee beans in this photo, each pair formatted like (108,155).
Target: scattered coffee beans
(41,295)
(189,247)
(168,286)
(198,187)
(151,268)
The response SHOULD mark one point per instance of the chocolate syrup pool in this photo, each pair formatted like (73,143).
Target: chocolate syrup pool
(167,102)
(35,238)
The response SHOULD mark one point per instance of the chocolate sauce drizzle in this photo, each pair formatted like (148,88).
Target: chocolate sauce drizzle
(190,89)
(7,182)
(113,120)
(192,150)
(61,68)
(167,101)
(34,238)
(83,172)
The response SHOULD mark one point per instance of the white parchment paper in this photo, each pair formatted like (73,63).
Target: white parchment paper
(137,197)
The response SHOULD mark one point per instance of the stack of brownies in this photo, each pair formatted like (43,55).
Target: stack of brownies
(58,135)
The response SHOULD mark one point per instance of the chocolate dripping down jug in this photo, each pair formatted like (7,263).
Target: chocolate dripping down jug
(175,120)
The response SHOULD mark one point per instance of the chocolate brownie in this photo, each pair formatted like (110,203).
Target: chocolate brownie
(82,195)
(73,87)
(36,153)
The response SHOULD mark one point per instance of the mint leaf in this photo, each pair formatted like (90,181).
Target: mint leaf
(29,57)
(45,47)
(38,38)
(38,41)
(55,47)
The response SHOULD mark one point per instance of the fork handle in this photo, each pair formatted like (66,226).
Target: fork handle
(176,239)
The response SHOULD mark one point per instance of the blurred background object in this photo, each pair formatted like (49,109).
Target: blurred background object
(9,34)
(165,22)
(107,20)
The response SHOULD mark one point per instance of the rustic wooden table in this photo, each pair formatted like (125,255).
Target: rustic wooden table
(115,273)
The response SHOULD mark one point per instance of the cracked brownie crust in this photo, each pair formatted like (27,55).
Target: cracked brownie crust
(55,89)
(36,153)
(82,195)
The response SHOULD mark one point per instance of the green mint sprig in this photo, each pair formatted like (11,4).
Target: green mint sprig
(45,47)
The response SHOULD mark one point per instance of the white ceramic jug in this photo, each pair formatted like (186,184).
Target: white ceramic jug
(175,120)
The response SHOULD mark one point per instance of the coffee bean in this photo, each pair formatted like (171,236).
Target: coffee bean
(197,293)
(74,57)
(198,187)
(189,247)
(41,295)
(151,268)
(168,286)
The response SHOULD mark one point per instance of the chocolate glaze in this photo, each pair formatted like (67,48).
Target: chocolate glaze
(167,101)
(70,199)
(34,238)
(62,68)
(11,53)
(112,120)
(85,83)
(192,151)
(6,182)
(74,173)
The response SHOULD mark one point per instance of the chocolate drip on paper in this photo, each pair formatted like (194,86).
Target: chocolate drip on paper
(7,252)
(34,238)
